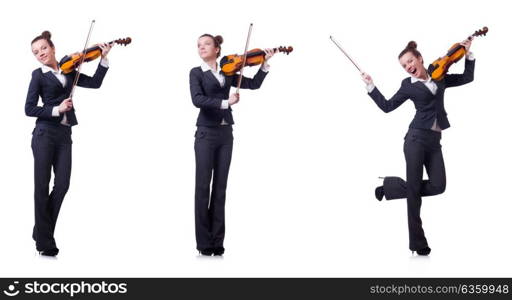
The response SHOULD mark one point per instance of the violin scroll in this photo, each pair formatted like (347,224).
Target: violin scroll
(480,32)
(286,50)
(123,42)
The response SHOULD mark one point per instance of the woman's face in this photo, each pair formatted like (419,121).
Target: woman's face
(44,53)
(206,48)
(413,65)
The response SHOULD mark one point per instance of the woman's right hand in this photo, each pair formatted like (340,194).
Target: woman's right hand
(65,105)
(367,78)
(234,98)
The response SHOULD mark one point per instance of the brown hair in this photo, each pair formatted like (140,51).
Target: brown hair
(411,47)
(217,41)
(46,35)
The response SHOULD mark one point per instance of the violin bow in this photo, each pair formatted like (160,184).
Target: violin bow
(346,54)
(75,82)
(243,61)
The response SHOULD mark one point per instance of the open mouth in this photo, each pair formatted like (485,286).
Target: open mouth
(413,71)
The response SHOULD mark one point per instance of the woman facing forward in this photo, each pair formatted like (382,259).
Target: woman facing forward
(51,138)
(213,145)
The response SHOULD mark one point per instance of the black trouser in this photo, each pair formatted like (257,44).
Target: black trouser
(51,146)
(213,147)
(421,148)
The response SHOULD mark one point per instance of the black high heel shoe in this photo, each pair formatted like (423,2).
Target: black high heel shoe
(49,252)
(423,252)
(206,252)
(379,193)
(218,251)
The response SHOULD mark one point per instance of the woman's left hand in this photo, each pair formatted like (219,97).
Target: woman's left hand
(269,53)
(467,44)
(105,48)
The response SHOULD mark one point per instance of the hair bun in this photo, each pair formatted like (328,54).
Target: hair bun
(412,45)
(219,39)
(46,34)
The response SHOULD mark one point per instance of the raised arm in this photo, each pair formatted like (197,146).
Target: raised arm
(96,80)
(452,80)
(257,80)
(384,104)
(251,83)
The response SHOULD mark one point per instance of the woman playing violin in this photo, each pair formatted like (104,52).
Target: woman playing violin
(422,142)
(213,145)
(51,138)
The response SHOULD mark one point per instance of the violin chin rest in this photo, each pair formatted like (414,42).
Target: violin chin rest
(64,60)
(431,69)
(223,61)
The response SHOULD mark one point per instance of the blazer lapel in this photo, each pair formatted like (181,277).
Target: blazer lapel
(440,85)
(52,78)
(420,85)
(212,77)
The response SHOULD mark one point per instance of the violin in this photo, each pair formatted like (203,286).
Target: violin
(438,69)
(70,62)
(230,64)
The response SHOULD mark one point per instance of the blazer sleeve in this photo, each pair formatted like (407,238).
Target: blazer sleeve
(199,99)
(95,81)
(389,105)
(34,90)
(250,83)
(460,79)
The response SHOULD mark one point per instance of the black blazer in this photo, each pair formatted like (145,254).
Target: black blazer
(207,94)
(53,93)
(428,106)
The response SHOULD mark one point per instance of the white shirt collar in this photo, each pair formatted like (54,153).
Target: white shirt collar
(414,79)
(205,67)
(47,69)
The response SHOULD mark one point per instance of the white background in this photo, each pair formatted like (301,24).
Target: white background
(309,145)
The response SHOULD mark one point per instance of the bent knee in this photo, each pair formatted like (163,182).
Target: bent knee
(439,189)
(61,188)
